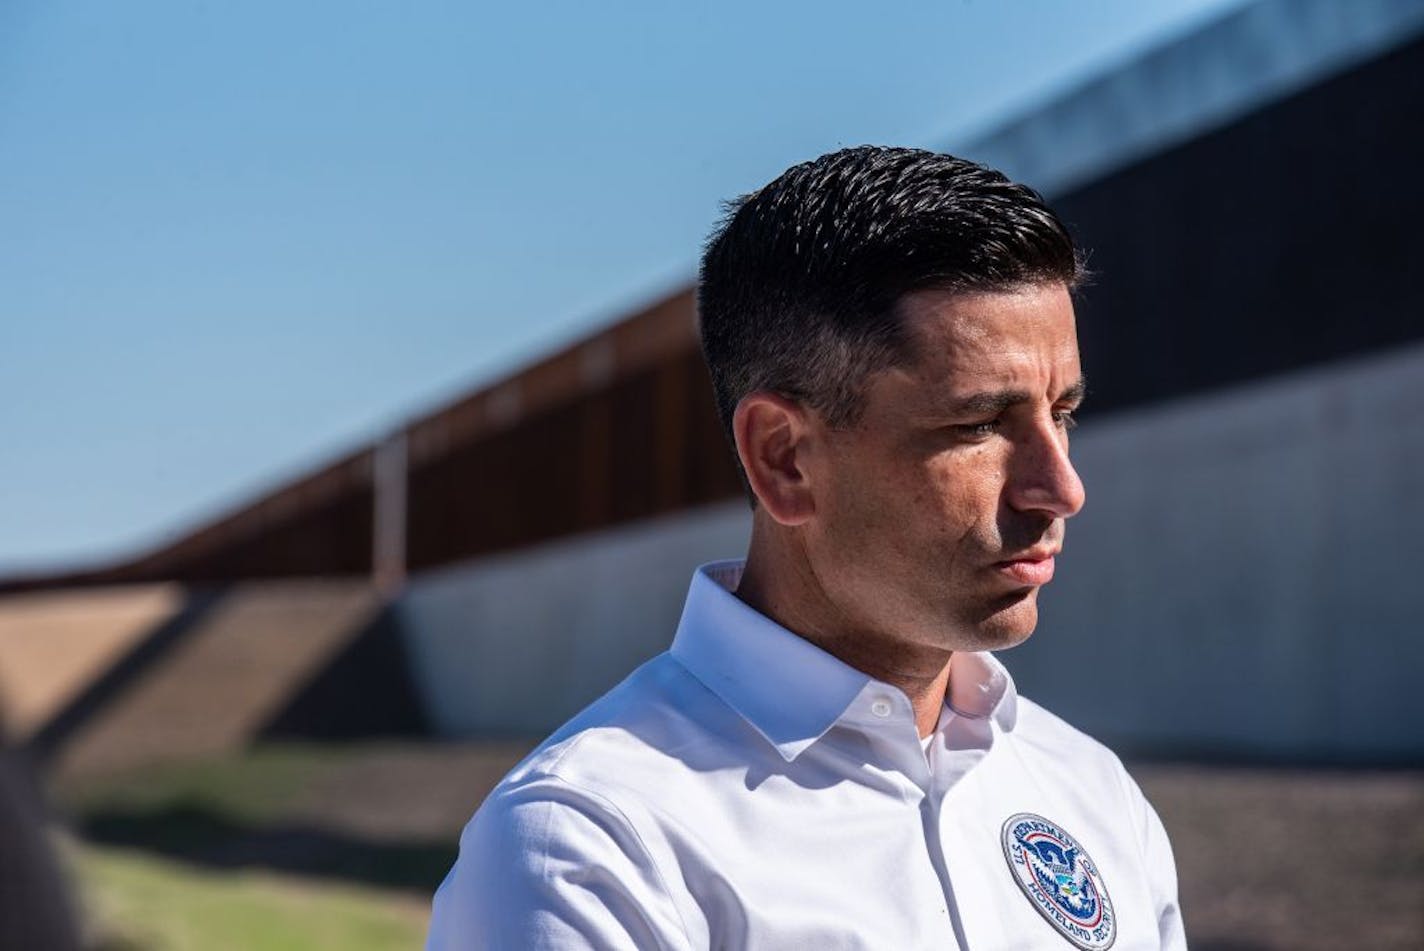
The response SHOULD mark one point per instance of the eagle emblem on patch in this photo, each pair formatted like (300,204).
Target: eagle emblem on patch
(1059,878)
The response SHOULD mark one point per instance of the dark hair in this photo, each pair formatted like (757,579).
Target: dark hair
(799,283)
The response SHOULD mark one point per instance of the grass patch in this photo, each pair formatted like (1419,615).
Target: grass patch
(261,810)
(138,901)
(282,846)
(256,786)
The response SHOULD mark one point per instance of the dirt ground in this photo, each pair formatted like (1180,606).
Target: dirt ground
(1268,858)
(1295,859)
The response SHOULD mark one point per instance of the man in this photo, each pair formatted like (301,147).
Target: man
(829,756)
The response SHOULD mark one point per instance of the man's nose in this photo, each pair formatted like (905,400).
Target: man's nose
(1041,477)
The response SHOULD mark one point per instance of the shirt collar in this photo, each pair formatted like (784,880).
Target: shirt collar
(980,688)
(789,689)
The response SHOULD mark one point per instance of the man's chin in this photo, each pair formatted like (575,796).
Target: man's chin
(1007,621)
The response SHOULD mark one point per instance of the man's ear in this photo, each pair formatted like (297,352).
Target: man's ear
(772,435)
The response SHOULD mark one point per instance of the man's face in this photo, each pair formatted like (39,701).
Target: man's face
(947,500)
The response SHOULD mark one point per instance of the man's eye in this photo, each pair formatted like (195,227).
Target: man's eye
(987,428)
(1065,419)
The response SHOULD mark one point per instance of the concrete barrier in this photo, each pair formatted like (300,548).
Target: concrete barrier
(1246,576)
(518,643)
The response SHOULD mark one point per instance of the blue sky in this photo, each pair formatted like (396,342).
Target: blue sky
(241,238)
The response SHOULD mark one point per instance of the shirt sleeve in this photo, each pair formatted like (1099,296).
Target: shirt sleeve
(547,865)
(1161,867)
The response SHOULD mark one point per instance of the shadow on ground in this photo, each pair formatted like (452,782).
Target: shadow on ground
(203,837)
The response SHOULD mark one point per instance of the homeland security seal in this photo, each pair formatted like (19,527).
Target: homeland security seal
(1060,880)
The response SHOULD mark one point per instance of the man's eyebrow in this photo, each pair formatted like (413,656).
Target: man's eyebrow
(996,401)
(1074,394)
(990,403)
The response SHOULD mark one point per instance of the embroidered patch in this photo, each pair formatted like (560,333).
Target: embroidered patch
(1060,880)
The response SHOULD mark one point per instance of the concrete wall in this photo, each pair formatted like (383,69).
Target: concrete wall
(518,643)
(1243,581)
(1246,576)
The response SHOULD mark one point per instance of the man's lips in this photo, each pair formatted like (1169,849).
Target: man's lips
(1034,568)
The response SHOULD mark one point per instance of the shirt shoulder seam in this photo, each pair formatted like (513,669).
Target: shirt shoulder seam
(622,817)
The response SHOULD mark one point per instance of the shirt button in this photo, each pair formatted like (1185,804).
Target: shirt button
(880,707)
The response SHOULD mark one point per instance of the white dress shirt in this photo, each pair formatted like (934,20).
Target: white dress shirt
(746,789)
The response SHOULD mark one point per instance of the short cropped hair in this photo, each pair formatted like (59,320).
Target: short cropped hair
(799,283)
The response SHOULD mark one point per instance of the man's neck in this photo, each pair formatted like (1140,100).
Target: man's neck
(793,599)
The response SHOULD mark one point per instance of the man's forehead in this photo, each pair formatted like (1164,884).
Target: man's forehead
(988,330)
(973,354)
(932,318)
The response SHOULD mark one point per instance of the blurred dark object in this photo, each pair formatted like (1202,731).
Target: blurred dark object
(36,910)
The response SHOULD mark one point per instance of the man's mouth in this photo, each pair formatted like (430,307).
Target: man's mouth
(1030,568)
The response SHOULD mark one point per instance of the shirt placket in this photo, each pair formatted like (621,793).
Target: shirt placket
(885,715)
(961,743)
